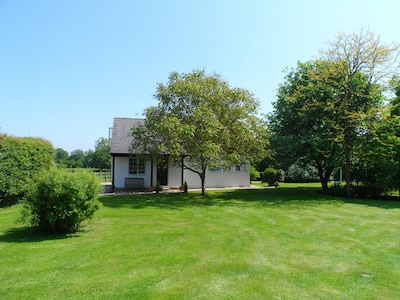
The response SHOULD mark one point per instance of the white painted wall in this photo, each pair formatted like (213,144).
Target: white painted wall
(122,171)
(214,179)
(219,179)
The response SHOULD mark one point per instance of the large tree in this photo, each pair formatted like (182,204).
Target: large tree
(100,157)
(364,64)
(202,122)
(303,123)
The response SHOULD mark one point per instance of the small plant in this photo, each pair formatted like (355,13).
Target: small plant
(185,187)
(61,200)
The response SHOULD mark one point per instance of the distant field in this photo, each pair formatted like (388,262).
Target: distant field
(287,243)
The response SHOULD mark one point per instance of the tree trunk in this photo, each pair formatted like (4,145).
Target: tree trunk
(203,183)
(347,175)
(324,175)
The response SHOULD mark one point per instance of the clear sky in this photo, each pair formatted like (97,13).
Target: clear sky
(68,67)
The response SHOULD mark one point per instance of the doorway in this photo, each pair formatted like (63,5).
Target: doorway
(162,171)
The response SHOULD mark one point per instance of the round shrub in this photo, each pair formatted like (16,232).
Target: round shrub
(61,200)
(272,176)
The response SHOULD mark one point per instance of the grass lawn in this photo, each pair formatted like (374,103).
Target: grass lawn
(286,243)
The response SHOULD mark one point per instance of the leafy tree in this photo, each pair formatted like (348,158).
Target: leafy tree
(202,122)
(101,155)
(303,123)
(378,160)
(374,166)
(61,200)
(21,160)
(76,159)
(88,160)
(61,157)
(254,174)
(363,65)
(395,126)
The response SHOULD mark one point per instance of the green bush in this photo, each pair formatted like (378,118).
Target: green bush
(254,174)
(337,189)
(21,160)
(61,200)
(271,175)
(302,173)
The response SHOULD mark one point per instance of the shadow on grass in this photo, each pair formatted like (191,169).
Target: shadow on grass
(30,235)
(293,197)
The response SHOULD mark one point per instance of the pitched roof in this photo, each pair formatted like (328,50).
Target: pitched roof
(121,135)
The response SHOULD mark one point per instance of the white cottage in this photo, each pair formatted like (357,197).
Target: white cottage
(131,172)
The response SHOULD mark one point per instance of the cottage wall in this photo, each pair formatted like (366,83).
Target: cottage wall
(214,179)
(122,171)
(220,178)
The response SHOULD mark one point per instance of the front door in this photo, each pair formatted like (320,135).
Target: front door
(162,171)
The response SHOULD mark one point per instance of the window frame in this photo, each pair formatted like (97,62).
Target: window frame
(136,166)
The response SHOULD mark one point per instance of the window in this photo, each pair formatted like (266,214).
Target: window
(214,169)
(136,166)
(236,168)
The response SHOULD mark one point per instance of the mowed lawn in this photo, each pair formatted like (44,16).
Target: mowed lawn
(286,243)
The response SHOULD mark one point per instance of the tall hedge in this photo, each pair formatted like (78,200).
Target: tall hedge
(21,160)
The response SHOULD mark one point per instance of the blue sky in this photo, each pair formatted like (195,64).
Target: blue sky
(68,67)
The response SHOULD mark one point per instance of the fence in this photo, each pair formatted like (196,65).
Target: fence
(103,175)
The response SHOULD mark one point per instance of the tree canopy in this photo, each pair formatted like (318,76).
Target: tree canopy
(328,107)
(201,122)
(303,122)
(99,158)
(364,66)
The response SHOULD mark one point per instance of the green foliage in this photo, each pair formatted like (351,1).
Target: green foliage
(21,160)
(363,68)
(76,159)
(201,118)
(325,106)
(100,157)
(185,187)
(375,161)
(62,200)
(304,122)
(158,188)
(271,176)
(298,172)
(337,189)
(254,174)
(61,158)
